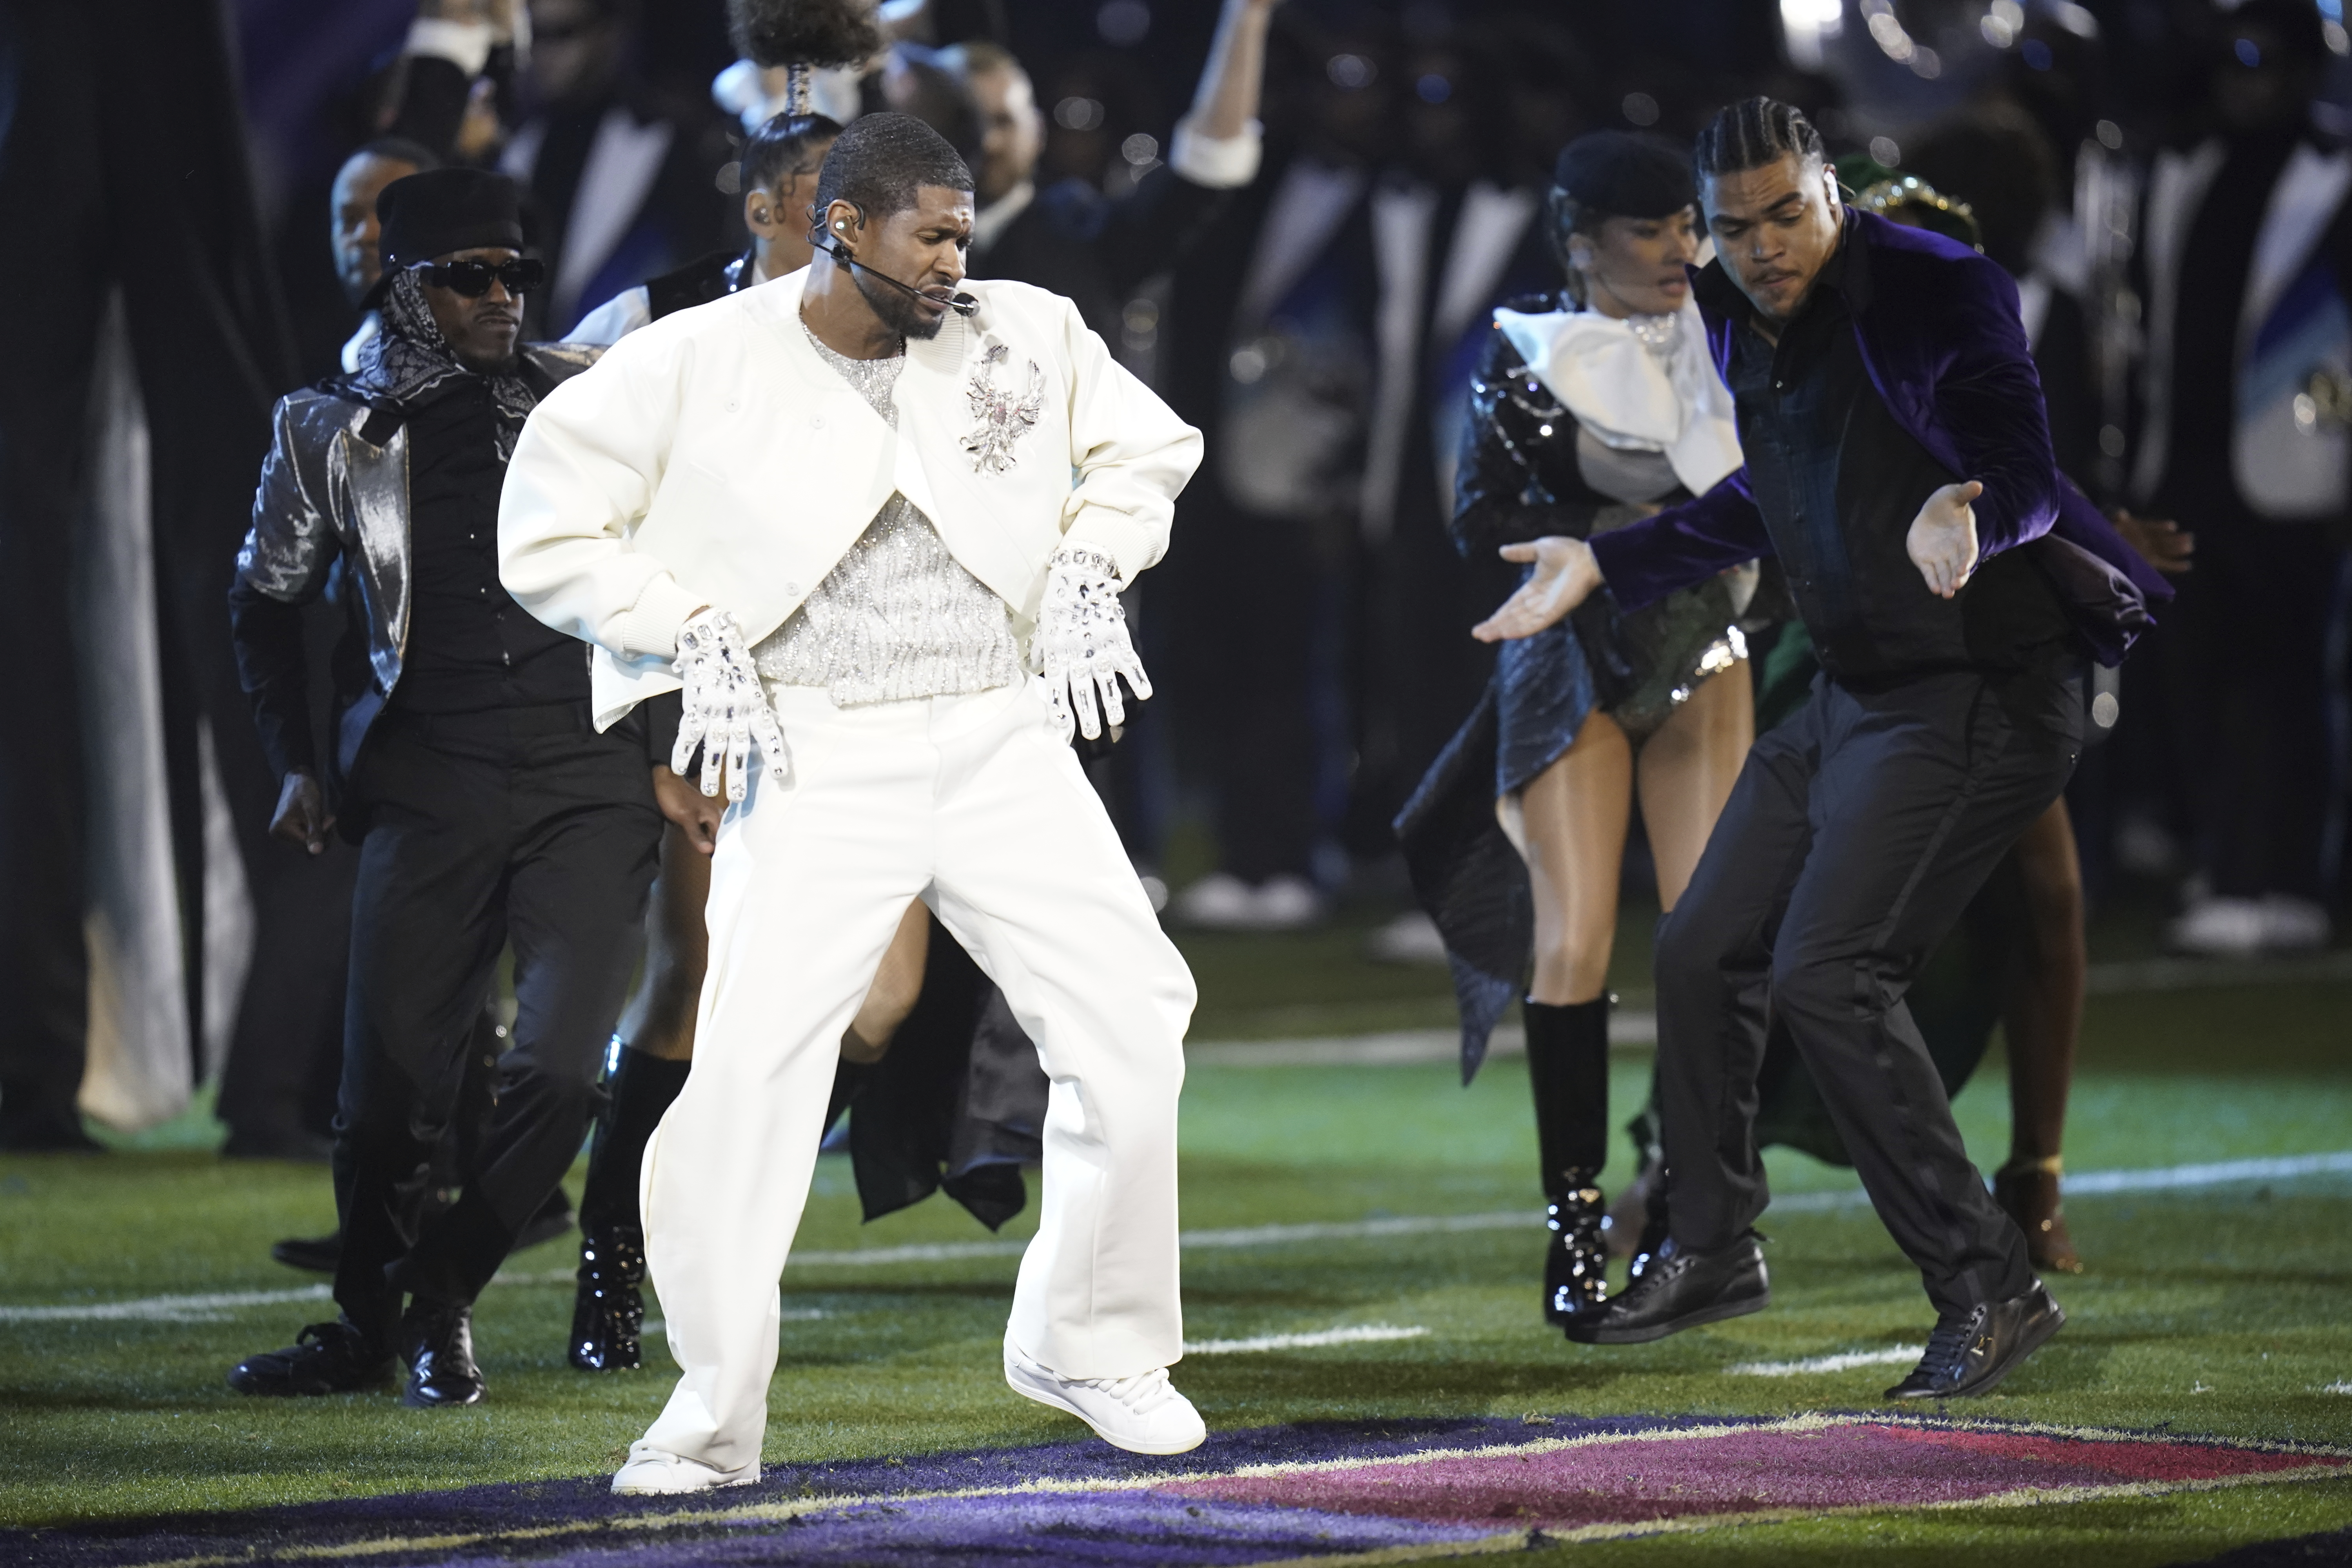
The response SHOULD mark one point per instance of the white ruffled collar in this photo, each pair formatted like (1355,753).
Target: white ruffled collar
(1629,395)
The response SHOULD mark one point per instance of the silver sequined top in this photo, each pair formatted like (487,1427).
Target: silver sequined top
(898,617)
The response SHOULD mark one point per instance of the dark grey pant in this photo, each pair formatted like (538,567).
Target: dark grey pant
(1856,834)
(517,824)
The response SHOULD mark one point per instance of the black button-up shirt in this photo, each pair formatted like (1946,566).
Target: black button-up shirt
(470,647)
(1839,482)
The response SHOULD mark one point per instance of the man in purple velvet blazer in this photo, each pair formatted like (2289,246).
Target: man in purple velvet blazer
(1899,466)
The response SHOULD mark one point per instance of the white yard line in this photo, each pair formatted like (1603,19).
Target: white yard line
(1893,1355)
(1362,1334)
(2086,1183)
(1397,1048)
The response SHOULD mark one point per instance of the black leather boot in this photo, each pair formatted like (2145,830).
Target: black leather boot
(1568,1069)
(436,1340)
(608,1313)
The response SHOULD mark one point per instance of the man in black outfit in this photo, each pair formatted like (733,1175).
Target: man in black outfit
(1898,464)
(486,806)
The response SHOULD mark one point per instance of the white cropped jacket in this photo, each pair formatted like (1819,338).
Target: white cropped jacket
(711,458)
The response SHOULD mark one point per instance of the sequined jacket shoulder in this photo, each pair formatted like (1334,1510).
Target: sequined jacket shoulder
(1518,476)
(334,492)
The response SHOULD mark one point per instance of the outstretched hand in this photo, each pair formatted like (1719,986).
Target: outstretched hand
(1565,576)
(1943,539)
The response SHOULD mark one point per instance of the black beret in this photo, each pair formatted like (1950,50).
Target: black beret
(442,210)
(1625,174)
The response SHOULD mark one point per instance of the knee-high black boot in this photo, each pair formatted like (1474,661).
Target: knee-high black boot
(610,1310)
(1568,1066)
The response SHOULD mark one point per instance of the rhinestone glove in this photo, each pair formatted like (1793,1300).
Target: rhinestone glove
(726,712)
(1082,642)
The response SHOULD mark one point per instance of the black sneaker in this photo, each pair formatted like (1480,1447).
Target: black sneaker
(1971,1352)
(325,1358)
(1681,1290)
(438,1341)
(312,1254)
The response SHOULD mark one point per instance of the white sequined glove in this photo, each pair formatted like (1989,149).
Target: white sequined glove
(726,712)
(1082,642)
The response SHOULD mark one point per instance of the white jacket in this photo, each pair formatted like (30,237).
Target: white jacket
(713,459)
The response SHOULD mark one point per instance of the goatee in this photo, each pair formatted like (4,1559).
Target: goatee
(895,311)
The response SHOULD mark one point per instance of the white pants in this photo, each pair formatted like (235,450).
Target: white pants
(977,805)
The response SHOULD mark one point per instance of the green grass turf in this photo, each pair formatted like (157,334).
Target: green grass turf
(2219,1312)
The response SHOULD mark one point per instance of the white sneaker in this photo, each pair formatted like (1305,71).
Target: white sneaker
(653,1472)
(1288,903)
(2293,925)
(1143,1415)
(1411,938)
(2219,928)
(1218,901)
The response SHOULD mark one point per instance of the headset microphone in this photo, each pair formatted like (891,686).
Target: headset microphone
(961,304)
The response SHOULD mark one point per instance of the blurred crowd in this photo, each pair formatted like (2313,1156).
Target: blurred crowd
(2166,181)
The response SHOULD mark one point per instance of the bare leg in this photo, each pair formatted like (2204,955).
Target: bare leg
(659,1020)
(1575,814)
(1688,770)
(897,985)
(2041,1016)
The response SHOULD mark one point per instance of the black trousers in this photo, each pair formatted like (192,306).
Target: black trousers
(517,824)
(1858,832)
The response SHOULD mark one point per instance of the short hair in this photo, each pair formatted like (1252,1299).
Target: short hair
(881,161)
(1751,134)
(788,144)
(398,150)
(978,56)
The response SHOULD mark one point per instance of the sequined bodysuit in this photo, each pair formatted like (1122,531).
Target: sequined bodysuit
(898,617)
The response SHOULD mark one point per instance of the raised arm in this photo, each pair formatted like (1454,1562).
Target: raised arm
(1217,148)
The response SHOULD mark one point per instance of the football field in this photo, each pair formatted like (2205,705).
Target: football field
(1362,1241)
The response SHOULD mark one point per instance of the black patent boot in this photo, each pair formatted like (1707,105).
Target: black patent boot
(1567,1069)
(1576,1259)
(609,1313)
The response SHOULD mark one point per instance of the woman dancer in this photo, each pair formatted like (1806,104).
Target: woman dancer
(1590,408)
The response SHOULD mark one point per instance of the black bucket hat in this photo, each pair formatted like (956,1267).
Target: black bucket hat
(444,210)
(1625,174)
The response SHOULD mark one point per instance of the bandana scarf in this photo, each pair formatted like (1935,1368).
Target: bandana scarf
(405,363)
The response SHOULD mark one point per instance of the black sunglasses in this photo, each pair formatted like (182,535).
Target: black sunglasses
(472,279)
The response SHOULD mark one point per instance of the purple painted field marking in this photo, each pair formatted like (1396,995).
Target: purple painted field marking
(1371,1493)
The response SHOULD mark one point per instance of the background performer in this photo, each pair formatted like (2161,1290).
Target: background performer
(1921,529)
(486,805)
(1589,410)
